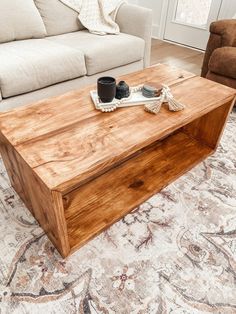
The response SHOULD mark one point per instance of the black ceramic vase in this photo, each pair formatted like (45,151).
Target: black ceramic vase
(122,90)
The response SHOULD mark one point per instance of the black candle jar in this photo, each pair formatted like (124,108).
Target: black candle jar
(106,87)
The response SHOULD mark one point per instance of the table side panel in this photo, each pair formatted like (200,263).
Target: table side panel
(209,128)
(14,171)
(45,205)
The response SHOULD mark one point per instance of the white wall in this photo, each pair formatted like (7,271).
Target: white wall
(156,6)
(133,1)
(228,9)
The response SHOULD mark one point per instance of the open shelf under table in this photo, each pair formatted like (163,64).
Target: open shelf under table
(98,204)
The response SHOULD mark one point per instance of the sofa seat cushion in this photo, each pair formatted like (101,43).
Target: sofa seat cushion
(104,52)
(58,18)
(36,63)
(223,62)
(20,19)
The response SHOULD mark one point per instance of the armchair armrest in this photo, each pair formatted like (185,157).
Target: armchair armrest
(227,30)
(220,27)
(222,34)
(137,21)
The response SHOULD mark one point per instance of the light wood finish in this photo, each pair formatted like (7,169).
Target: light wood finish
(128,185)
(168,53)
(44,204)
(69,141)
(79,170)
(208,128)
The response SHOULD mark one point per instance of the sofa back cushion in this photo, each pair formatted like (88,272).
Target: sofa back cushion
(20,19)
(58,18)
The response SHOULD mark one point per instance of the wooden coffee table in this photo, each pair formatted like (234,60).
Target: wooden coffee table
(79,170)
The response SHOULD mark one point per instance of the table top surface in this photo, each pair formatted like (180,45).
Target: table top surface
(66,141)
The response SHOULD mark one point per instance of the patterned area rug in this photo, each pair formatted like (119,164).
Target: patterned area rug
(176,253)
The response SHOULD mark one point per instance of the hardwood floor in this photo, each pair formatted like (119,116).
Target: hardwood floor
(182,57)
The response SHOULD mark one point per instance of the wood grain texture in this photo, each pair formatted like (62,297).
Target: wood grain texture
(44,204)
(17,179)
(67,142)
(79,170)
(45,118)
(208,128)
(103,201)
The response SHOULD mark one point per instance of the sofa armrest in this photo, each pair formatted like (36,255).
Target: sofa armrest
(137,21)
(222,34)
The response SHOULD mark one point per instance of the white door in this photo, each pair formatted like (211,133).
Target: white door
(188,21)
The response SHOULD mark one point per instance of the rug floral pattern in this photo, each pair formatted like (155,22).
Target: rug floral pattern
(176,253)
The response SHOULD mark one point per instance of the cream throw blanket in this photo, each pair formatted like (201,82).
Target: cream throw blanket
(98,16)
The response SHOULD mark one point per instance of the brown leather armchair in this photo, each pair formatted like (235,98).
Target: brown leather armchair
(219,63)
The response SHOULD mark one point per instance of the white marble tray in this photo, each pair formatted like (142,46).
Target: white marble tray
(137,99)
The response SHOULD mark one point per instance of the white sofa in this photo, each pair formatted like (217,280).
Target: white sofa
(45,51)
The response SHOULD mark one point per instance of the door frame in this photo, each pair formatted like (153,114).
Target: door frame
(224,13)
(164,11)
